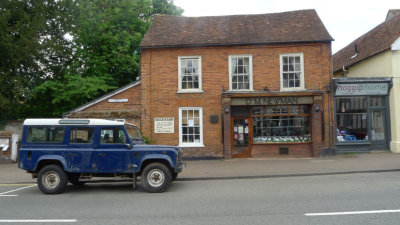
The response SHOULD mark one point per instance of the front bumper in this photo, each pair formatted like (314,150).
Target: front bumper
(179,167)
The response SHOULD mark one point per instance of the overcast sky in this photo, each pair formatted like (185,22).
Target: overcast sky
(345,20)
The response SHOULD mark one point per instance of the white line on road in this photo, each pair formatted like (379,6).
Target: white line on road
(38,221)
(353,212)
(8,195)
(17,189)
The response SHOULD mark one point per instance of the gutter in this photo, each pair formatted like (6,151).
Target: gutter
(231,44)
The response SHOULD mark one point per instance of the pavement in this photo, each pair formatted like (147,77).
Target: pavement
(259,167)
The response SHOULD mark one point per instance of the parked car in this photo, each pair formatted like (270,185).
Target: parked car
(58,151)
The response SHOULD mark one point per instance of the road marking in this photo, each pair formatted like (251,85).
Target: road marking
(18,189)
(353,212)
(323,161)
(8,195)
(39,221)
(12,185)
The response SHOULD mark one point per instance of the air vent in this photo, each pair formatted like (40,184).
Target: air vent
(283,151)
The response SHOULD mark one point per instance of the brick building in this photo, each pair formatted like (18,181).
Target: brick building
(123,103)
(238,86)
(235,86)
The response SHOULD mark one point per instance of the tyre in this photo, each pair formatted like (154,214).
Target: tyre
(156,177)
(52,179)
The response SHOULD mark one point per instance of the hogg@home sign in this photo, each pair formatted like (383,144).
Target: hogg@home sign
(362,89)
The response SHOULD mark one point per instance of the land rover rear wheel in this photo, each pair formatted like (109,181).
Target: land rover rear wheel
(52,179)
(156,177)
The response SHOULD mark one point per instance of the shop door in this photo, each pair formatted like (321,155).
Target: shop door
(378,130)
(241,138)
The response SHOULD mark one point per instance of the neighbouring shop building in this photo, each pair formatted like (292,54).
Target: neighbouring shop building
(366,84)
(231,86)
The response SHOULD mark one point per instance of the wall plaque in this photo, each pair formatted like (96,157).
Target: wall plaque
(118,100)
(164,125)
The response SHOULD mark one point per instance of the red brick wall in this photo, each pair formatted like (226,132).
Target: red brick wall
(272,150)
(133,95)
(159,72)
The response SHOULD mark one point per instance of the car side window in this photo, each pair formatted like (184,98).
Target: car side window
(81,135)
(46,134)
(114,135)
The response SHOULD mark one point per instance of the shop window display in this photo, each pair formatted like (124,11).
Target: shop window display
(351,119)
(281,124)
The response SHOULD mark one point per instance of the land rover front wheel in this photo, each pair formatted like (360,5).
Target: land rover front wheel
(51,179)
(156,177)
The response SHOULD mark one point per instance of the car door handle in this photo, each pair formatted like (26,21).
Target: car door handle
(102,154)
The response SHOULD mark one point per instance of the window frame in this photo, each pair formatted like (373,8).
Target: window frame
(73,129)
(302,84)
(199,144)
(45,127)
(112,143)
(230,57)
(192,90)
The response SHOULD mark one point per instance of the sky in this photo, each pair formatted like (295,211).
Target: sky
(345,20)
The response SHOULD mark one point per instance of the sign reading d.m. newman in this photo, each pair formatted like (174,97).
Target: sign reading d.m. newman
(278,100)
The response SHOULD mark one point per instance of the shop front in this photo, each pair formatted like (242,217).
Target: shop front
(362,114)
(269,125)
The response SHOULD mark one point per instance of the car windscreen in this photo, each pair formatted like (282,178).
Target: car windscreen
(133,131)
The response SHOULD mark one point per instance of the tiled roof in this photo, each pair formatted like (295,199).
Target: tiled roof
(391,13)
(294,26)
(374,42)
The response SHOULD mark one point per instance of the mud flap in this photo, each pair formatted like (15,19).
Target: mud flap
(134,181)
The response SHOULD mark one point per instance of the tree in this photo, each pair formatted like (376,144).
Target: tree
(29,49)
(106,37)
(165,7)
(47,74)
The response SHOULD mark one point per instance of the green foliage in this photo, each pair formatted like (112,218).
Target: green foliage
(32,50)
(148,140)
(166,7)
(45,74)
(20,25)
(106,38)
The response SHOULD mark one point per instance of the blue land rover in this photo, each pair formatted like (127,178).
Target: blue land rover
(58,151)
